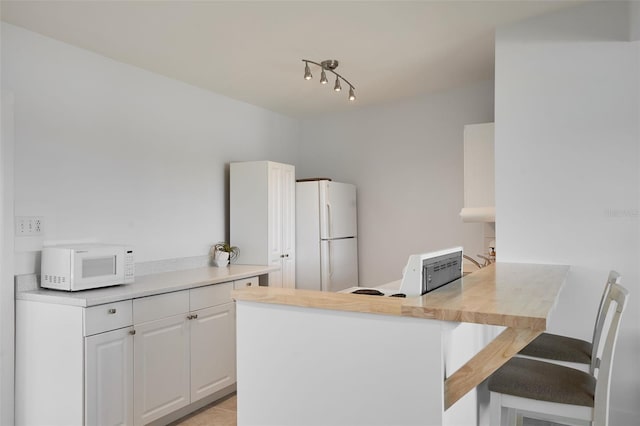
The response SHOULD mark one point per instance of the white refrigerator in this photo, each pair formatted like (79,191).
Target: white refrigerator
(326,235)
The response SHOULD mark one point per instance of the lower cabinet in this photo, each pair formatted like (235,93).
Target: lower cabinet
(124,363)
(184,349)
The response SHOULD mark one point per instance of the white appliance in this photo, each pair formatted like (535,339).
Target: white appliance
(75,267)
(423,273)
(428,271)
(326,235)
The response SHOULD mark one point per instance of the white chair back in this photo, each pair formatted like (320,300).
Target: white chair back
(614,278)
(617,296)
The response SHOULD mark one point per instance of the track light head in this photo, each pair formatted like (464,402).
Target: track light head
(323,77)
(352,95)
(337,87)
(307,71)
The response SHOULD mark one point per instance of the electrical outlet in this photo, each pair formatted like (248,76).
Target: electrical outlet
(29,226)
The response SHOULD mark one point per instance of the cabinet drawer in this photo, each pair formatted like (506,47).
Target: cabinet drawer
(247,282)
(211,295)
(110,316)
(160,306)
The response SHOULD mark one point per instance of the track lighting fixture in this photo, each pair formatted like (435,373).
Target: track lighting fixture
(329,65)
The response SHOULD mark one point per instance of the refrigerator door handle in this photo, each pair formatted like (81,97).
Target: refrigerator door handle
(329,258)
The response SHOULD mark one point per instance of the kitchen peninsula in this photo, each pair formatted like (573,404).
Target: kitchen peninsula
(307,357)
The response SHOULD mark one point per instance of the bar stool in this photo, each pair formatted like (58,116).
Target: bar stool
(541,390)
(568,351)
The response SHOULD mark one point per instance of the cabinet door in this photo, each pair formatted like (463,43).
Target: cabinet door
(109,378)
(213,350)
(288,273)
(161,367)
(275,211)
(288,227)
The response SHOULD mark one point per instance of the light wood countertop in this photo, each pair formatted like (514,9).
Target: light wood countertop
(519,296)
(514,295)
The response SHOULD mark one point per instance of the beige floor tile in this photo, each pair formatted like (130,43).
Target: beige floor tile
(222,413)
(213,417)
(230,403)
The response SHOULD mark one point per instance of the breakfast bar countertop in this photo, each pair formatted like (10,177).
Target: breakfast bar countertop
(515,295)
(147,285)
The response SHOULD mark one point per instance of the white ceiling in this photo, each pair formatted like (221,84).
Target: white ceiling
(252,51)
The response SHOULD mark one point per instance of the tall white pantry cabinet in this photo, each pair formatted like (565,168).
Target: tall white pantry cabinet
(262,217)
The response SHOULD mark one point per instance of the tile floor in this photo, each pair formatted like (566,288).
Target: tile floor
(223,413)
(220,413)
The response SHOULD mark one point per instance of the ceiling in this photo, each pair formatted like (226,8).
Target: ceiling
(252,50)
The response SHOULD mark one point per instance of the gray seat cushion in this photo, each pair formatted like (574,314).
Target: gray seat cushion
(560,348)
(544,381)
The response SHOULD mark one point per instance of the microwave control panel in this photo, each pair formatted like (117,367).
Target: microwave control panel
(129,266)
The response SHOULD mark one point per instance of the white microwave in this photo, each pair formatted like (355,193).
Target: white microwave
(85,266)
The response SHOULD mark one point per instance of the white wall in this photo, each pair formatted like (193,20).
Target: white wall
(568,166)
(108,151)
(634,27)
(406,159)
(7,311)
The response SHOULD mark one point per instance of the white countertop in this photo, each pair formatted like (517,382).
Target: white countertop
(147,285)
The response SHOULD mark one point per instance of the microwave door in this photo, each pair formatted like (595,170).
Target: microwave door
(96,267)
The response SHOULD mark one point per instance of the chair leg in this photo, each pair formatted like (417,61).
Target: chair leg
(512,417)
(494,409)
(500,416)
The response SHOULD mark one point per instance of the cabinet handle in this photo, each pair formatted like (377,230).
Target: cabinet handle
(112,310)
(189,317)
(282,255)
(195,316)
(132,332)
(286,255)
(248,284)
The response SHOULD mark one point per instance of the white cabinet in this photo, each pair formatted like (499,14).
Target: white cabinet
(161,369)
(479,172)
(213,350)
(74,364)
(213,338)
(125,363)
(108,360)
(184,349)
(109,378)
(262,217)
